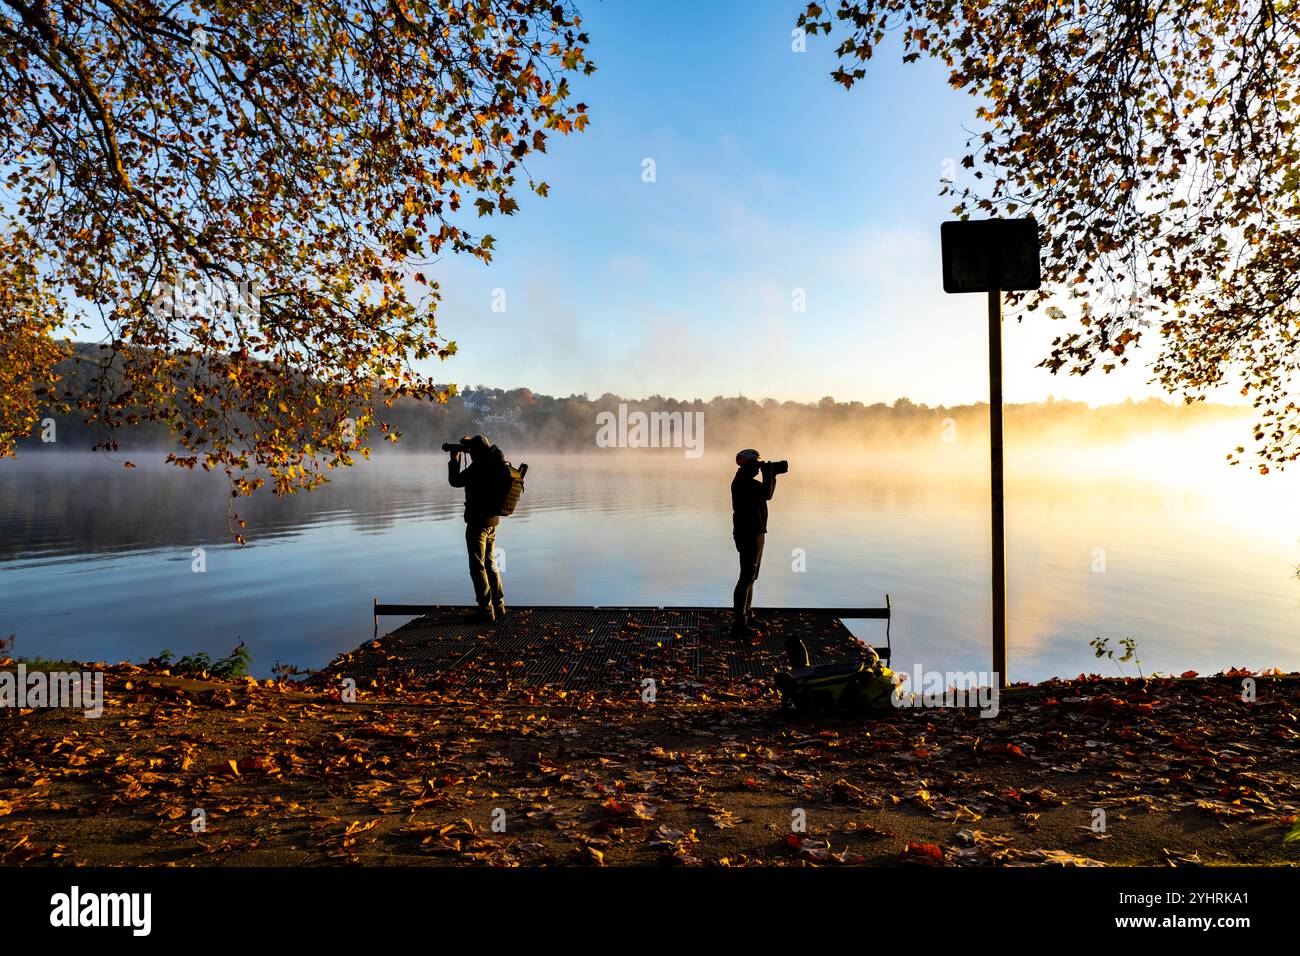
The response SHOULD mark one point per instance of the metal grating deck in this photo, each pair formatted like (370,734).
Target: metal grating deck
(593,647)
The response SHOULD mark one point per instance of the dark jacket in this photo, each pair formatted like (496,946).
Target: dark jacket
(482,484)
(750,493)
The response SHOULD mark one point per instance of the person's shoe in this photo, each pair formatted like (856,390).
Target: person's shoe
(483,615)
(498,611)
(740,629)
(752,623)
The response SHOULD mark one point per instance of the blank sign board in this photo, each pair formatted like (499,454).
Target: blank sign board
(983,255)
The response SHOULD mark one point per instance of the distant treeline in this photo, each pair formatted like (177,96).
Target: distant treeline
(519,418)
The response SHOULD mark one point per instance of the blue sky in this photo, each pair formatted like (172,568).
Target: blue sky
(770,178)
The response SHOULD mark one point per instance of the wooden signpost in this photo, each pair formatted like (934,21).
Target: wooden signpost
(993,256)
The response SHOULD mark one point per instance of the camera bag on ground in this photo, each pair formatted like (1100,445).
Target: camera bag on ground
(851,687)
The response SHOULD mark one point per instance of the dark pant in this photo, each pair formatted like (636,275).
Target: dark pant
(480,539)
(750,547)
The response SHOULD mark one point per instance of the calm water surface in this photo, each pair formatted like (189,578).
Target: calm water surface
(1194,560)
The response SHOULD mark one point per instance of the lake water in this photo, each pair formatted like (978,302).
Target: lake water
(1195,561)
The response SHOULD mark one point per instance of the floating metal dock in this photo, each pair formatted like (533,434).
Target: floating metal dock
(595,647)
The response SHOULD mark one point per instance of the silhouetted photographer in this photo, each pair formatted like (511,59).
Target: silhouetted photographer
(751,490)
(492,489)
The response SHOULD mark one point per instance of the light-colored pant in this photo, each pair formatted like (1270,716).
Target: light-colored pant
(480,542)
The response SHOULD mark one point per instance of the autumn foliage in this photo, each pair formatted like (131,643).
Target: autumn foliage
(1156,143)
(244,199)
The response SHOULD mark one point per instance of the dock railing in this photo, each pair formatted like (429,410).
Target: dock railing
(885,613)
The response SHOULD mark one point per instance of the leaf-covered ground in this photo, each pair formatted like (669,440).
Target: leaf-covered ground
(1185,771)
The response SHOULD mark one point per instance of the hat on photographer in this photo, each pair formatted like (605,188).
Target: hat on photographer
(475,444)
(746,456)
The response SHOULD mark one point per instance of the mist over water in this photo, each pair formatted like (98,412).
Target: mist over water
(1152,538)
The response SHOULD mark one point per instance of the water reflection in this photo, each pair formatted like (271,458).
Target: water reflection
(95,559)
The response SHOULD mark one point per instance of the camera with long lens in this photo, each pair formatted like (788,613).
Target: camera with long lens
(775,467)
(454,446)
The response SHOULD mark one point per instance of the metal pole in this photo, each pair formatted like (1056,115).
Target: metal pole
(995,475)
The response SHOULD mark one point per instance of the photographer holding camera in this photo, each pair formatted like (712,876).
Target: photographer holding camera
(749,498)
(482,482)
